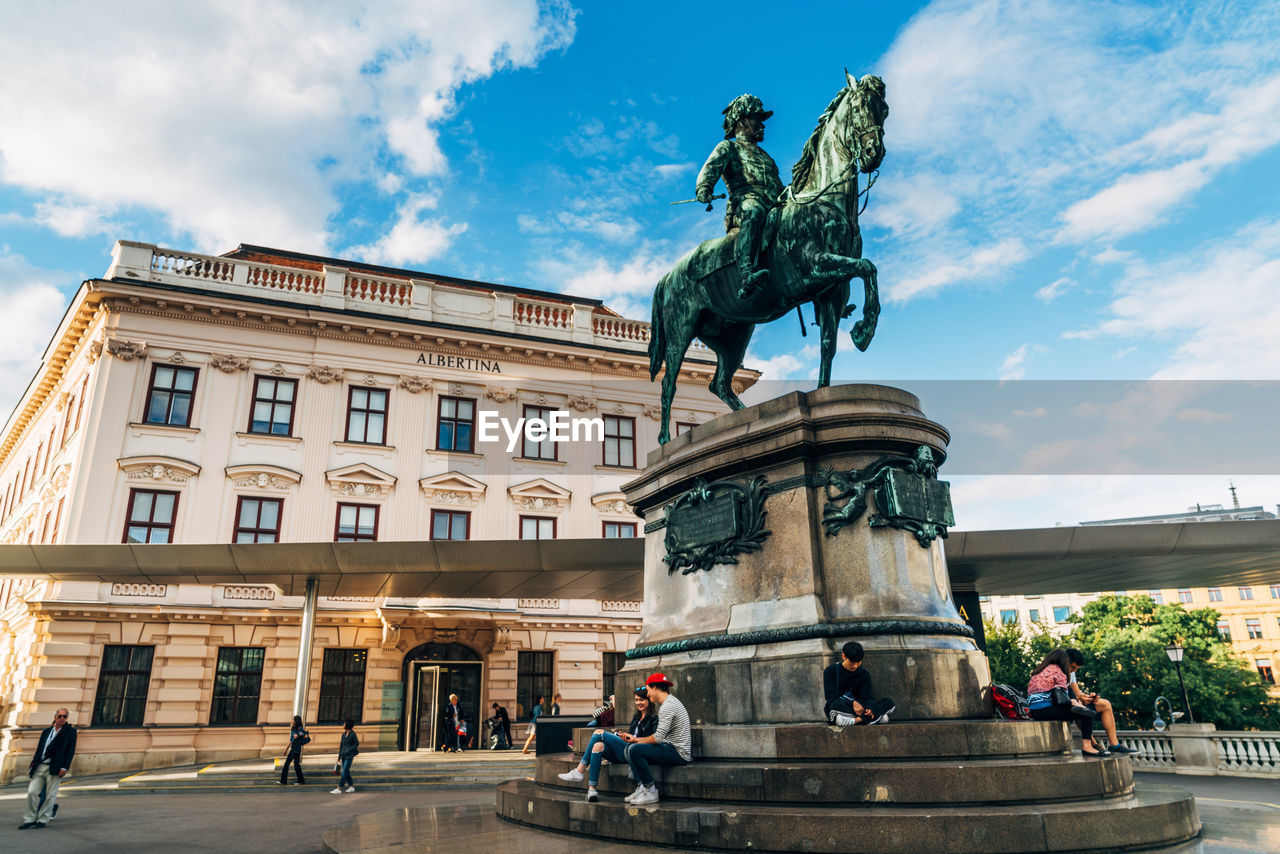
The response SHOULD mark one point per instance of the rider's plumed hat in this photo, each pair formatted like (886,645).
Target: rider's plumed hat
(741,107)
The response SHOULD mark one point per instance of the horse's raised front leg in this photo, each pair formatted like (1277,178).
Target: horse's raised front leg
(830,264)
(829,309)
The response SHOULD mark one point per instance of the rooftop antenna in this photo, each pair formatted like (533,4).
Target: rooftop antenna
(1235,502)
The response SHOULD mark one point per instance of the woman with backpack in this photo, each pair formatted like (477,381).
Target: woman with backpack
(1050,700)
(298,736)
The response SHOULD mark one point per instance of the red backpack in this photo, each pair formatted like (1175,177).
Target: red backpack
(1009,703)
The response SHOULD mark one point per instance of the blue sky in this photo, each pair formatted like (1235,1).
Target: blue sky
(1071,191)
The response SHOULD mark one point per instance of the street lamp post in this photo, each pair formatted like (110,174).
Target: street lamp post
(1175,651)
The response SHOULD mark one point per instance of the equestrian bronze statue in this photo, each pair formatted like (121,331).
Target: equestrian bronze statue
(783,247)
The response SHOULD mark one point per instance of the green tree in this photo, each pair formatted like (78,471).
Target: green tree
(1123,640)
(1013,653)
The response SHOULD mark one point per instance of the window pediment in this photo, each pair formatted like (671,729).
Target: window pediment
(612,503)
(360,480)
(158,469)
(262,476)
(539,494)
(452,487)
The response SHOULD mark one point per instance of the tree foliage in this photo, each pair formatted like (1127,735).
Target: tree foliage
(1123,640)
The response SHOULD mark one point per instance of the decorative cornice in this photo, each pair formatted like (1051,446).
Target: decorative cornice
(360,480)
(452,488)
(539,494)
(125,351)
(611,502)
(414,384)
(579,402)
(160,469)
(262,476)
(500,395)
(651,411)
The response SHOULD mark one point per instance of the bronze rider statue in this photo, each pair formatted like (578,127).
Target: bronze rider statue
(752,179)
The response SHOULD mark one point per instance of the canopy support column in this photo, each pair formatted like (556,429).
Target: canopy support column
(305,640)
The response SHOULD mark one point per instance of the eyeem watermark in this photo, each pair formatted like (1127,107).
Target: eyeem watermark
(558,428)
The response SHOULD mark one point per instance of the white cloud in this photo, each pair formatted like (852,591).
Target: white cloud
(1055,289)
(1014,366)
(414,239)
(983,262)
(1217,301)
(237,122)
(624,284)
(33,308)
(72,219)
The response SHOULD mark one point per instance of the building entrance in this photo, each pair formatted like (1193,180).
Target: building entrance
(432,672)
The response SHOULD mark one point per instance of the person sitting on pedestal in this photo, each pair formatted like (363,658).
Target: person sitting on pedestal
(671,743)
(606,746)
(849,696)
(1049,701)
(1106,715)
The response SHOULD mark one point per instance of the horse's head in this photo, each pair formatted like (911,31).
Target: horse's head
(866,111)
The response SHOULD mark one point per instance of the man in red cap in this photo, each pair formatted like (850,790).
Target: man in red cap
(671,743)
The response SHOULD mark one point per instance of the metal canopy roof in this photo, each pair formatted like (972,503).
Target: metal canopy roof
(1035,560)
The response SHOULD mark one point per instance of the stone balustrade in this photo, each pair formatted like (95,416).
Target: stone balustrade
(1201,749)
(415,299)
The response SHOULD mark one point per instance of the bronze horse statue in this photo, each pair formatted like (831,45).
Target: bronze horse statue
(814,252)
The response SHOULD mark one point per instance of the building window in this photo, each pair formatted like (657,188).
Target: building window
(1275,591)
(258,520)
(1009,616)
(1215,594)
(456,425)
(537,528)
(1224,630)
(122,685)
(367,415)
(1264,670)
(683,427)
(1062,614)
(1253,627)
(613,662)
(1034,615)
(272,406)
(533,680)
(1245,592)
(356,523)
(619,441)
(1156,596)
(342,685)
(619,530)
(236,685)
(450,525)
(543,449)
(149,517)
(1184,596)
(169,397)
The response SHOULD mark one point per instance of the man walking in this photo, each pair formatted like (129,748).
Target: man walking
(671,744)
(49,764)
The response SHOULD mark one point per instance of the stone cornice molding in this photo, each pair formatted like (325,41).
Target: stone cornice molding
(159,469)
(414,384)
(360,480)
(262,476)
(579,402)
(540,495)
(229,364)
(125,351)
(453,488)
(612,503)
(323,374)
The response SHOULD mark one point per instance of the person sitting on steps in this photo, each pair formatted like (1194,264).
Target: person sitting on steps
(1051,675)
(671,743)
(848,691)
(606,746)
(1106,714)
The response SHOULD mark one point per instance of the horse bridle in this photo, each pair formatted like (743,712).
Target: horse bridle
(843,177)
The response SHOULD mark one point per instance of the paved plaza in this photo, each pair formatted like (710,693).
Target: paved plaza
(97,815)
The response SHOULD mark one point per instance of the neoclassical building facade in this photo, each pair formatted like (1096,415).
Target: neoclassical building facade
(267,396)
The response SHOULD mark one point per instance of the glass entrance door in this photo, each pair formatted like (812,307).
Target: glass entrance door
(426,705)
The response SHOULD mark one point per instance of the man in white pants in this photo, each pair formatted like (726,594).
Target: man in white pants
(53,754)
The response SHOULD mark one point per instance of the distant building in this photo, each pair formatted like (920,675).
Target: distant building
(1250,616)
(273,396)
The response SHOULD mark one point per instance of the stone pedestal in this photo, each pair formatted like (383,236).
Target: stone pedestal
(745,638)
(747,642)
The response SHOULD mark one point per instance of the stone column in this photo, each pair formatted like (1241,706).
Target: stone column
(746,642)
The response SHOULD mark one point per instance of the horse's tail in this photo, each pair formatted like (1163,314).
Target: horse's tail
(657,330)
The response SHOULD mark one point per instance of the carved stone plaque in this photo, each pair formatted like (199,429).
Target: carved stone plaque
(714,522)
(912,496)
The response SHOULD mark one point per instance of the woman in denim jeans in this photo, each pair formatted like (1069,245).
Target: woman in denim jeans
(606,745)
(347,750)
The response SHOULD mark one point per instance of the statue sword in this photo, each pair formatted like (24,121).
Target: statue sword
(691,201)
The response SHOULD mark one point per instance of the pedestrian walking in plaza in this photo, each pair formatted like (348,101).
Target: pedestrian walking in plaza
(500,729)
(298,736)
(555,705)
(455,726)
(49,764)
(533,724)
(347,750)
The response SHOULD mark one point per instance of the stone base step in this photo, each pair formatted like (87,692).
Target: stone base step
(1152,816)
(936,781)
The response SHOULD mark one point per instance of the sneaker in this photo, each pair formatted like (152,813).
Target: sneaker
(592,795)
(648,796)
(1114,748)
(335,792)
(631,798)
(572,776)
(883,719)
(350,789)
(844,720)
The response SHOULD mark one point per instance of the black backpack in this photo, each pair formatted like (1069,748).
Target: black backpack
(1009,703)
